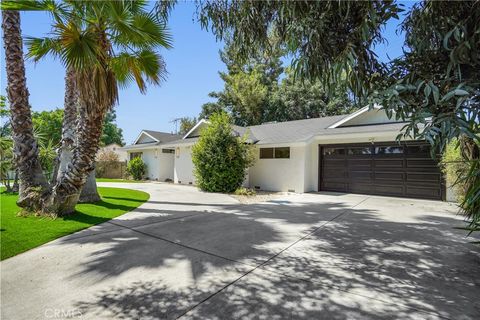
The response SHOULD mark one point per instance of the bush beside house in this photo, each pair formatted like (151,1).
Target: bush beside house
(220,158)
(136,168)
(455,168)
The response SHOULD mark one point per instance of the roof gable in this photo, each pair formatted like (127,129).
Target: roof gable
(149,136)
(365,116)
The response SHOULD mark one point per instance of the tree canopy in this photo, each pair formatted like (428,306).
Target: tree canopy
(261,90)
(111,133)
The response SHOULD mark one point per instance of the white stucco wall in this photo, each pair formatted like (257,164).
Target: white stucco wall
(183,168)
(279,174)
(159,165)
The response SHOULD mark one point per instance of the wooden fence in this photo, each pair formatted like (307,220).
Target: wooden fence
(111,169)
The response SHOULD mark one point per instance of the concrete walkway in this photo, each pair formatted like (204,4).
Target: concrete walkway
(194,255)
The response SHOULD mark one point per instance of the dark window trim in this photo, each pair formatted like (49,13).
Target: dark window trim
(273,152)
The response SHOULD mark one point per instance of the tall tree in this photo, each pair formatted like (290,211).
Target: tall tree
(298,99)
(111,133)
(105,43)
(435,85)
(187,123)
(25,147)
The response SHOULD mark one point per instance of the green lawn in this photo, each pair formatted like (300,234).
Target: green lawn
(19,234)
(117,180)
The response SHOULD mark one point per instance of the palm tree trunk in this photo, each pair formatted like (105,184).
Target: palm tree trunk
(89,191)
(32,180)
(68,126)
(65,194)
(15,186)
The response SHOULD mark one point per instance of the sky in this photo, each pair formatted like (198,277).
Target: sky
(192,64)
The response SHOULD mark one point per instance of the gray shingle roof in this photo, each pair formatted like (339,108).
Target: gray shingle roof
(286,132)
(291,131)
(163,137)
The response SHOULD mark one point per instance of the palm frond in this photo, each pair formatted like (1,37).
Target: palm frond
(38,48)
(144,66)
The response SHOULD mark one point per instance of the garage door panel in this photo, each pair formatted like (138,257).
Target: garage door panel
(424,177)
(361,175)
(331,163)
(335,186)
(423,192)
(359,163)
(391,175)
(389,169)
(421,163)
(359,187)
(388,163)
(389,189)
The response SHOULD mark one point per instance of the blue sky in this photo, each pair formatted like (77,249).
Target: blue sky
(193,65)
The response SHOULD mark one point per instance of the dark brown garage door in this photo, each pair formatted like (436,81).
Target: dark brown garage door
(390,169)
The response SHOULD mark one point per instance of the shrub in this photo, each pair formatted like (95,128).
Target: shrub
(108,156)
(136,168)
(454,167)
(219,157)
(245,192)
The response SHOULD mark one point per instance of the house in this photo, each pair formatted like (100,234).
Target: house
(356,153)
(116,148)
(149,145)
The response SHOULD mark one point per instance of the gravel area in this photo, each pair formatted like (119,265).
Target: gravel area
(261,196)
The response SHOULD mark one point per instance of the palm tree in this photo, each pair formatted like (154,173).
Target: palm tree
(105,43)
(25,146)
(89,191)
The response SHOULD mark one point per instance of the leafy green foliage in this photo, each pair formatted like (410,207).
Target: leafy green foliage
(245,192)
(187,123)
(48,124)
(329,40)
(107,43)
(137,168)
(220,158)
(254,95)
(296,99)
(111,133)
(455,168)
(47,155)
(435,85)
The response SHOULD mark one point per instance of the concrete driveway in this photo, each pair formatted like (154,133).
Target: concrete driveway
(194,255)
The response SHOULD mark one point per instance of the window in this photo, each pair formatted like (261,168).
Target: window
(266,153)
(275,153)
(168,151)
(282,153)
(360,150)
(389,150)
(333,151)
(134,155)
